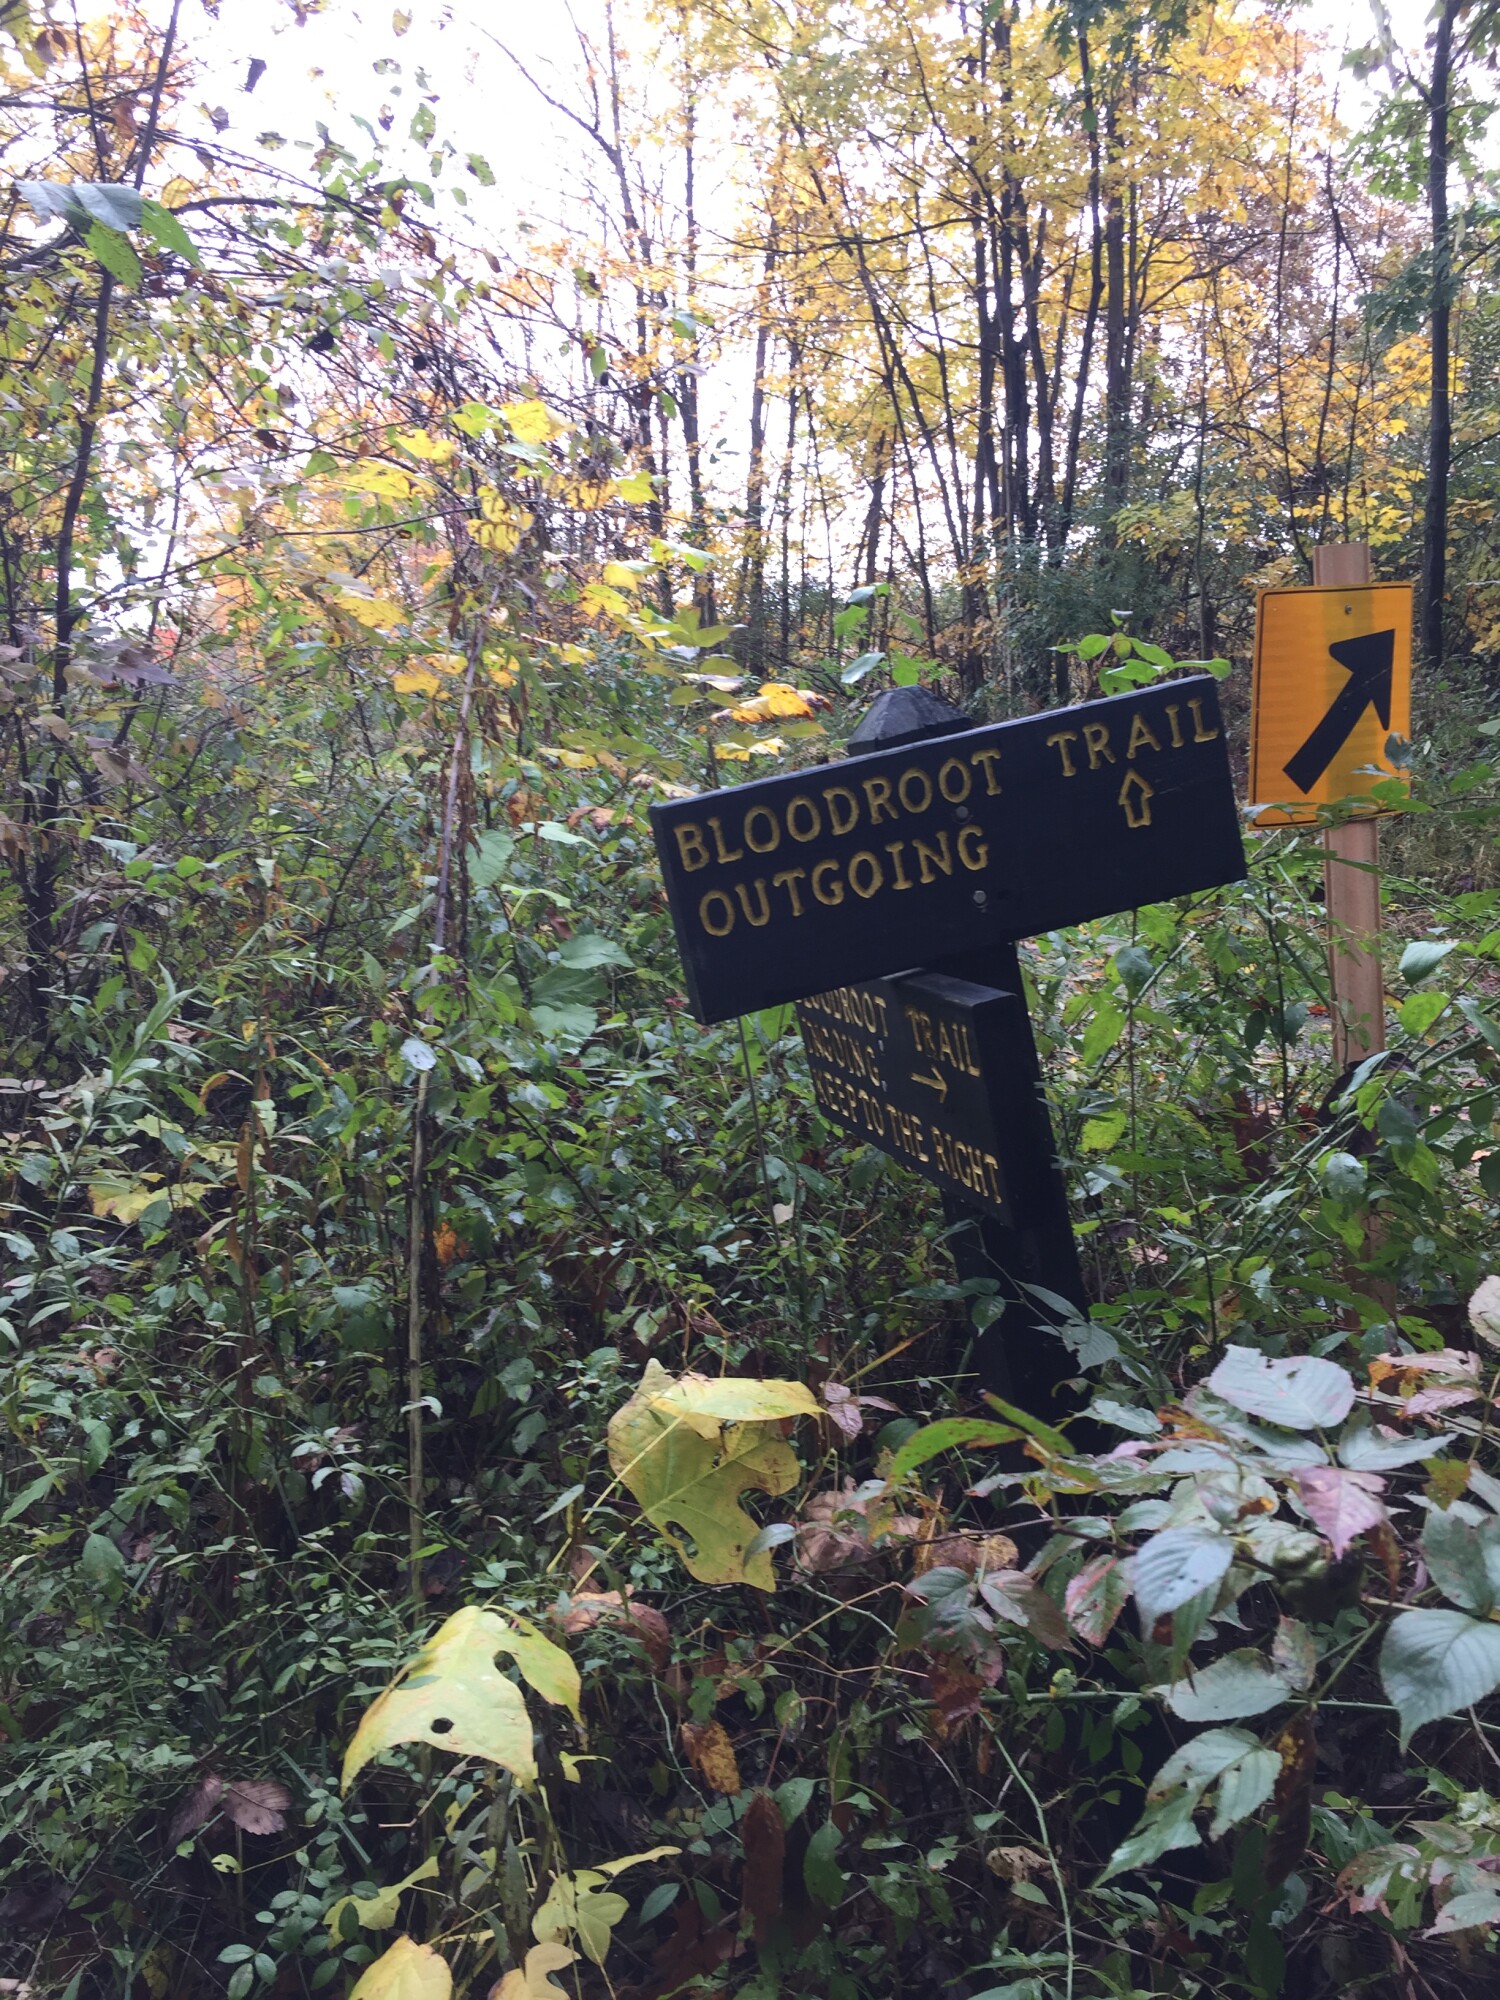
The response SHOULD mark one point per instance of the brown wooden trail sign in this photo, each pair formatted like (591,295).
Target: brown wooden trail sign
(819,878)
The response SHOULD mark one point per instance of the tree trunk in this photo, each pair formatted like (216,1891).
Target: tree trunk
(1440,433)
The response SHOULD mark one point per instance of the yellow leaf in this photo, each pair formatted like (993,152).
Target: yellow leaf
(125,1201)
(381,614)
(622,576)
(453,1696)
(533,1983)
(532,422)
(712,1755)
(415,680)
(378,1912)
(407,1971)
(422,444)
(707,1401)
(601,597)
(775,702)
(587,495)
(636,486)
(693,1482)
(386,482)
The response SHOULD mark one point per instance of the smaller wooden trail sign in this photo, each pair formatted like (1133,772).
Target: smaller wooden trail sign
(921,1066)
(1332,684)
(814,879)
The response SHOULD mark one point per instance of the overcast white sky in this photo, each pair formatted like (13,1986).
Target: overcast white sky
(325,69)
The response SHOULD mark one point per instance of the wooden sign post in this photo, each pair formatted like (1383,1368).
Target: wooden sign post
(1332,684)
(927,855)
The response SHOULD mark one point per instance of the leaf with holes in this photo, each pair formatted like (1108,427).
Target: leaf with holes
(455,1697)
(689,1483)
(1301,1392)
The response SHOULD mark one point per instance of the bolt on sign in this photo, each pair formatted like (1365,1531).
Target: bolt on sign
(922,1066)
(822,878)
(1332,688)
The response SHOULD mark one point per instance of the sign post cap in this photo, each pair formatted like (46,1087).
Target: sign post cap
(905,715)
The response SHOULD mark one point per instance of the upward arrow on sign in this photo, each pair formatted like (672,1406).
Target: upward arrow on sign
(1369,660)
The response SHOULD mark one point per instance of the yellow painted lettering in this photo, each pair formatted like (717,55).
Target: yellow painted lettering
(1061,738)
(1173,711)
(1140,732)
(710,908)
(691,851)
(843,809)
(1200,734)
(989,759)
(929,857)
(866,865)
(1096,742)
(914,789)
(957,788)
(788,880)
(720,849)
(973,849)
(878,798)
(834,895)
(769,843)
(893,849)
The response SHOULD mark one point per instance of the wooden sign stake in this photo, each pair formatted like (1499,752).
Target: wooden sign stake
(1351,882)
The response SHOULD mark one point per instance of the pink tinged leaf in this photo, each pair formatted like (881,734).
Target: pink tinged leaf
(1437,1399)
(258,1805)
(1096,1597)
(1341,1504)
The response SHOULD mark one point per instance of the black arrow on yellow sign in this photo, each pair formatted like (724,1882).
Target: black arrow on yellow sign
(1369,660)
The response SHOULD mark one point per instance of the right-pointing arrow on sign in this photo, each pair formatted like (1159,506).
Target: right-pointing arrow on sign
(1368,659)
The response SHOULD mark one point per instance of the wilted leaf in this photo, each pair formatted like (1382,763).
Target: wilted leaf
(1294,1654)
(1301,1392)
(763,1833)
(453,1696)
(576,1906)
(1297,1748)
(692,1482)
(198,1808)
(955,1694)
(117,767)
(407,1971)
(257,1805)
(591,1607)
(1341,1504)
(711,1754)
(1020,1600)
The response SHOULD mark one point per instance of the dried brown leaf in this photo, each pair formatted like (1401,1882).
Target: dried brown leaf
(763,1832)
(257,1805)
(200,1805)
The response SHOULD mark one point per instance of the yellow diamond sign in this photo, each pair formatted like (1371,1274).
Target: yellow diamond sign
(1332,687)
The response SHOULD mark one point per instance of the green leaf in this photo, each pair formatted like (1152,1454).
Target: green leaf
(117,208)
(1134,967)
(948,1434)
(1421,1010)
(379,1912)
(101,1562)
(1299,1392)
(1434,1663)
(162,226)
(1240,1683)
(115,254)
(1093,644)
(1423,958)
(820,1869)
(28,1496)
(857,669)
(1176,1565)
(1463,1558)
(1054,1441)
(905,672)
(1101,1034)
(589,950)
